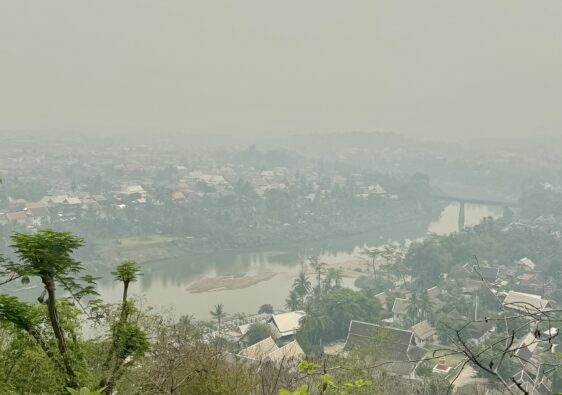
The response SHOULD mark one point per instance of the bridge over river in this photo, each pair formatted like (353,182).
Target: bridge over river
(462,200)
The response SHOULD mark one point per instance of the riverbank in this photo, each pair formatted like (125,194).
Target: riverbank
(166,280)
(154,248)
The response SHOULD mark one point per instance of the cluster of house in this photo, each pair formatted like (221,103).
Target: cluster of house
(399,348)
(31,214)
(400,352)
(65,207)
(280,347)
(521,289)
(278,178)
(188,185)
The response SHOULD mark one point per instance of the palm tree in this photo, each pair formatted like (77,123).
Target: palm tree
(335,276)
(413,310)
(319,269)
(338,278)
(313,326)
(218,314)
(127,273)
(372,254)
(399,270)
(389,253)
(301,286)
(293,301)
(426,305)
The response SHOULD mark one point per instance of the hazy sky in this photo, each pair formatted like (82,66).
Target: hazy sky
(424,68)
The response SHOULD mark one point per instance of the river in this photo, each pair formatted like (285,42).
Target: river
(164,283)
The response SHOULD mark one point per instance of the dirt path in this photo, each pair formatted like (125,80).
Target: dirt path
(467,376)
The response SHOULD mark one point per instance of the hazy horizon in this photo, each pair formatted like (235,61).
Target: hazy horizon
(428,70)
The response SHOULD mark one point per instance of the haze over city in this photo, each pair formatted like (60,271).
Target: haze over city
(287,197)
(432,69)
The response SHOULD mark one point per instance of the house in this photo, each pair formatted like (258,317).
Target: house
(477,332)
(526,348)
(400,309)
(525,303)
(178,196)
(533,283)
(403,293)
(39,216)
(423,332)
(387,344)
(527,263)
(376,189)
(17,202)
(526,277)
(64,200)
(530,352)
(56,200)
(524,382)
(487,273)
(434,295)
(260,350)
(100,199)
(287,324)
(133,192)
(19,217)
(268,351)
(130,190)
(31,205)
(441,367)
(72,201)
(290,352)
(383,300)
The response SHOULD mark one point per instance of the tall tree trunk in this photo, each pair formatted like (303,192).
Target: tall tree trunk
(125,291)
(71,379)
(113,362)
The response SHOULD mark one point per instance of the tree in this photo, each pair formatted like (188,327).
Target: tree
(333,278)
(265,309)
(218,314)
(343,305)
(301,286)
(312,332)
(47,255)
(373,254)
(373,286)
(413,309)
(426,305)
(257,332)
(319,268)
(25,367)
(389,253)
(128,339)
(293,301)
(127,273)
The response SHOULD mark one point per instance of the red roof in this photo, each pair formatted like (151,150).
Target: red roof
(526,276)
(178,196)
(17,216)
(35,205)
